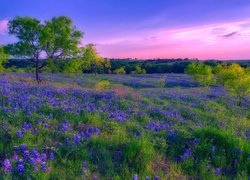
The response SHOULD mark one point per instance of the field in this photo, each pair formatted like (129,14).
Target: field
(162,126)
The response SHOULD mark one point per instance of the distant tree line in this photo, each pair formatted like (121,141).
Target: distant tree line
(113,66)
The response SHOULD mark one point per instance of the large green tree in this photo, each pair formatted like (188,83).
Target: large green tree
(28,32)
(57,38)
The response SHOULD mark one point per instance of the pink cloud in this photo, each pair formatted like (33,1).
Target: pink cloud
(211,41)
(3,26)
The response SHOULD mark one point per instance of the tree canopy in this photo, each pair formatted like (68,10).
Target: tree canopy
(57,38)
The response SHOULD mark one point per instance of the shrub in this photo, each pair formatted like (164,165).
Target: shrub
(235,78)
(119,71)
(103,85)
(138,70)
(201,73)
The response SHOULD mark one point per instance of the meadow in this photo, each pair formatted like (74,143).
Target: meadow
(158,126)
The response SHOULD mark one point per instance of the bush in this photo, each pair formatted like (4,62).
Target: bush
(201,73)
(103,85)
(235,78)
(138,70)
(119,71)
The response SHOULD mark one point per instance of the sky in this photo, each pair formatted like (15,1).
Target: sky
(204,29)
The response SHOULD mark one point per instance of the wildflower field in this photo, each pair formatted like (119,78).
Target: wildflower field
(163,126)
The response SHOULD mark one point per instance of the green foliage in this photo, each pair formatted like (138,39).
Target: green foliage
(138,70)
(235,78)
(219,149)
(73,66)
(60,38)
(103,85)
(91,60)
(120,70)
(201,73)
(3,59)
(28,32)
(161,82)
(137,154)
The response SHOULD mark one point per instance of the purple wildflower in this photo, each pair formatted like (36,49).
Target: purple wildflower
(7,165)
(217,171)
(135,177)
(84,165)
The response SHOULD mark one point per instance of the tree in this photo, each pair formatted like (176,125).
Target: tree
(201,73)
(28,32)
(3,59)
(57,38)
(235,78)
(91,60)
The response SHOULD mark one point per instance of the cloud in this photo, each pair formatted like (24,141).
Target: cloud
(232,34)
(3,26)
(218,40)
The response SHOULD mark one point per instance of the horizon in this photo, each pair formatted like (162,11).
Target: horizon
(163,29)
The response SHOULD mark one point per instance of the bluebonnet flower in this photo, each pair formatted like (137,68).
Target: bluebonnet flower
(46,125)
(26,126)
(4,125)
(138,133)
(43,166)
(217,171)
(88,135)
(51,156)
(50,116)
(213,149)
(32,161)
(38,160)
(67,142)
(36,168)
(26,155)
(135,177)
(186,154)
(35,153)
(15,157)
(7,165)
(19,134)
(20,166)
(23,147)
(65,126)
(76,138)
(147,178)
(44,156)
(16,148)
(35,131)
(84,165)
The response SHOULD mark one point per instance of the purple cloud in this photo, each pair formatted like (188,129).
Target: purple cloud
(229,35)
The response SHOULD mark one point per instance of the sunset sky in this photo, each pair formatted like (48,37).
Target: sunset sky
(204,29)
